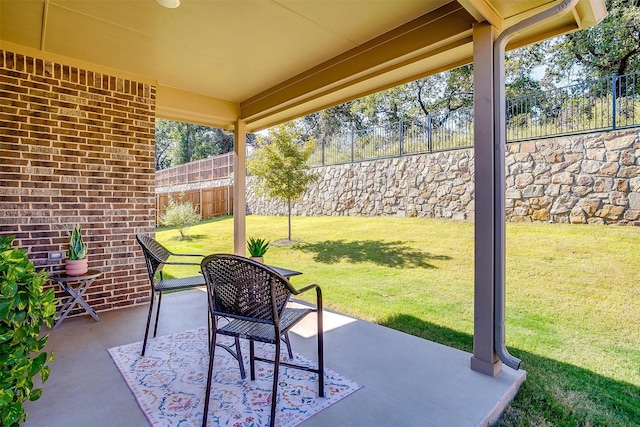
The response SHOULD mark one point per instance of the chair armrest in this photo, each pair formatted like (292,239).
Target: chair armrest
(305,289)
(308,288)
(180,263)
(177,254)
(319,308)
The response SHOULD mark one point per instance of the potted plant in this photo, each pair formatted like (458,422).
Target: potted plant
(76,263)
(257,248)
(24,308)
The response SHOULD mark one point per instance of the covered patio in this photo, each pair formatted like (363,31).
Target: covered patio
(83,83)
(408,381)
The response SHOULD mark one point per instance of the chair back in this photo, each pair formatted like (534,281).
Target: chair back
(242,288)
(155,255)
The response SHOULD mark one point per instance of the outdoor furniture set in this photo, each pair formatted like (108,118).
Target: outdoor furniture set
(250,296)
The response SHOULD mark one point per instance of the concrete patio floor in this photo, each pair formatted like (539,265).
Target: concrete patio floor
(408,381)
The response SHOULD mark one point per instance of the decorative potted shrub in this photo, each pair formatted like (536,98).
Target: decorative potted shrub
(24,308)
(76,263)
(257,248)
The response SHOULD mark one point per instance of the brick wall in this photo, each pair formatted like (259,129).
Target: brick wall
(77,147)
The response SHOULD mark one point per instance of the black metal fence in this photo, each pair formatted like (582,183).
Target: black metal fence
(436,133)
(605,104)
(599,105)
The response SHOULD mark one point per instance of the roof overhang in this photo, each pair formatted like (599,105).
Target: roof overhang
(268,61)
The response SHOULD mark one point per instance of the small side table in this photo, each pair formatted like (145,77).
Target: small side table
(75,286)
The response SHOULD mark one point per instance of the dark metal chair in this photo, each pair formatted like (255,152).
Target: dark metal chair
(156,257)
(253,297)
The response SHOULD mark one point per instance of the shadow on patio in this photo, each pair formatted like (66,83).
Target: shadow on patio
(408,381)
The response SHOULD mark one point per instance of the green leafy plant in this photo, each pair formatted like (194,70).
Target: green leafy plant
(24,308)
(77,247)
(180,215)
(257,247)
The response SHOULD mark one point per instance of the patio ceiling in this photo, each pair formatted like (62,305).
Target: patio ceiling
(268,61)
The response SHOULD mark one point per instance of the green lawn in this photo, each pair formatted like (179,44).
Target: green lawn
(573,298)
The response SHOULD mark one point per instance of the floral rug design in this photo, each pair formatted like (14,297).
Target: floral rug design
(169,383)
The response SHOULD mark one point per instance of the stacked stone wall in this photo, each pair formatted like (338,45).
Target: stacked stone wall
(77,147)
(593,178)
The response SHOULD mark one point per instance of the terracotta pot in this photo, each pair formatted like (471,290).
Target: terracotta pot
(76,267)
(258,259)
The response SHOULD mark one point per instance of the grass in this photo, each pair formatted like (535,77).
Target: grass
(572,315)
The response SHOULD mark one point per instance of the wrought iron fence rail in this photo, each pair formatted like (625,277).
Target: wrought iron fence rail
(600,105)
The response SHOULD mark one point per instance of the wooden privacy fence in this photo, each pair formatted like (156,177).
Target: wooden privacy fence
(206,183)
(209,202)
(210,169)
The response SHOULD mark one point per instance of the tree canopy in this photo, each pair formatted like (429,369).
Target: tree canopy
(178,143)
(613,46)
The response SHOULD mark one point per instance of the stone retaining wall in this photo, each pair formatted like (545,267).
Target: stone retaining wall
(593,178)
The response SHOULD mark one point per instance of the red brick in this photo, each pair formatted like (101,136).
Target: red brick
(76,135)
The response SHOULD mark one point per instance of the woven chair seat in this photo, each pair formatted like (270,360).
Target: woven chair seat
(252,330)
(182,283)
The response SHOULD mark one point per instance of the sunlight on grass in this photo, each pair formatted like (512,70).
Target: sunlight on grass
(572,294)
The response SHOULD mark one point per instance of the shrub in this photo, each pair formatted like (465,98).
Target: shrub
(180,215)
(24,307)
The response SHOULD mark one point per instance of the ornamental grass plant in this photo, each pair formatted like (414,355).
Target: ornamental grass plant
(572,293)
(257,247)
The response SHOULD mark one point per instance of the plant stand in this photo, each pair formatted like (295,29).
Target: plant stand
(76,292)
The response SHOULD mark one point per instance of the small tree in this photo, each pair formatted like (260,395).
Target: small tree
(180,215)
(279,165)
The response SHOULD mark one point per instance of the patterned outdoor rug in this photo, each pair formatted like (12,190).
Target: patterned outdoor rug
(169,383)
